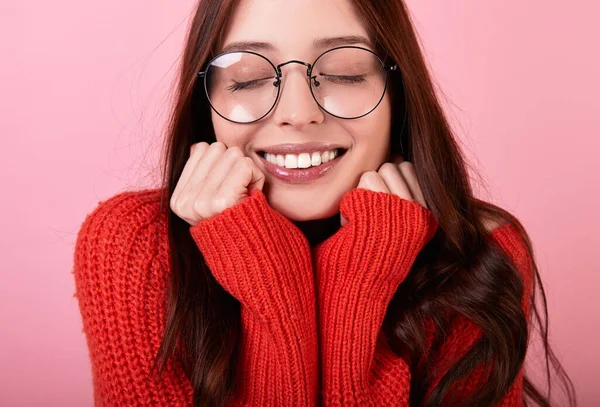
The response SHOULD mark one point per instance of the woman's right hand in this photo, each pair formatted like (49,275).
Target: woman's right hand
(262,259)
(213,179)
(219,194)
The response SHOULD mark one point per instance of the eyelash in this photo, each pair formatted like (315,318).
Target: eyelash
(347,78)
(341,79)
(245,85)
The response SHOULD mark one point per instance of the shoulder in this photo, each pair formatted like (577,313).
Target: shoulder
(513,239)
(122,204)
(119,214)
(491,224)
(122,232)
(120,272)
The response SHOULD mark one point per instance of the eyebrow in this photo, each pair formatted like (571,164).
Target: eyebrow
(318,43)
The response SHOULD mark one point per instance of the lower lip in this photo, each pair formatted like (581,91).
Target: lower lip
(300,175)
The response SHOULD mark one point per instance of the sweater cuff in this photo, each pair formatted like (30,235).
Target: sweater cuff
(370,209)
(257,255)
(385,232)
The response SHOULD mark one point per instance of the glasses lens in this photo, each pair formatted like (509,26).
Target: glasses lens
(348,82)
(240,86)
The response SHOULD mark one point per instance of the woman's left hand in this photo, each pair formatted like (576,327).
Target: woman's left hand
(397,177)
(358,270)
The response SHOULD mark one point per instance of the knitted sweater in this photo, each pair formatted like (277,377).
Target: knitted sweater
(311,318)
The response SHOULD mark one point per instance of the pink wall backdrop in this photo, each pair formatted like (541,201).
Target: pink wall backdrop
(84,91)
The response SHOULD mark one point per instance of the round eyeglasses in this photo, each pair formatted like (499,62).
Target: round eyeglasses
(347,82)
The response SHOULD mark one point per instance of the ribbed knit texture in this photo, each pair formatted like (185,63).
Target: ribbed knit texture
(264,261)
(311,329)
(358,271)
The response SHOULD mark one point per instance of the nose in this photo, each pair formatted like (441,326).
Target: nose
(296,106)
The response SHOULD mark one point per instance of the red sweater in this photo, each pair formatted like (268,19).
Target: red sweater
(311,319)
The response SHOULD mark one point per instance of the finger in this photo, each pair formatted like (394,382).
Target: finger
(257,177)
(204,167)
(394,180)
(245,174)
(221,168)
(372,180)
(407,170)
(196,153)
(244,177)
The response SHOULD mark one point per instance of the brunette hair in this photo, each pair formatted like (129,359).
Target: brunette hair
(459,271)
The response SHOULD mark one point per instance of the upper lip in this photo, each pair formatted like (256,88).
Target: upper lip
(292,148)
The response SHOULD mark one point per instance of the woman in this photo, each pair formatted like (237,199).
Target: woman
(316,241)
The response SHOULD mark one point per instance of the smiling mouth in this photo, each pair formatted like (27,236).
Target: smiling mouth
(303,160)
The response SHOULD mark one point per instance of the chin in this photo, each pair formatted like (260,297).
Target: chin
(303,208)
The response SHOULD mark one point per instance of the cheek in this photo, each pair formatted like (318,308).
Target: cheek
(371,138)
(231,134)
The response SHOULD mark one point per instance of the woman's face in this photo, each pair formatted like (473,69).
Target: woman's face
(291,26)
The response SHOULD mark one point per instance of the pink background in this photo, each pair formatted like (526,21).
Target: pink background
(83,96)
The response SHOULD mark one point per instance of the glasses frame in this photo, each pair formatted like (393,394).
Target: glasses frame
(279,74)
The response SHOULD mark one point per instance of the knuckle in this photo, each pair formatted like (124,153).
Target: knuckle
(201,208)
(244,163)
(173,204)
(198,146)
(235,152)
(408,170)
(405,165)
(369,175)
(219,146)
(179,206)
(368,178)
(387,168)
(221,202)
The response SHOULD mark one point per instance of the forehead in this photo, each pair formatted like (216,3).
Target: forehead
(293,28)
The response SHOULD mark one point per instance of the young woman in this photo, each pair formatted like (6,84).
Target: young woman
(316,240)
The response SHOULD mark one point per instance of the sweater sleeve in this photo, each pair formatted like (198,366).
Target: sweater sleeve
(265,262)
(358,270)
(463,334)
(119,272)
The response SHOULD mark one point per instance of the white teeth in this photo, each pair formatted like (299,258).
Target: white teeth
(280,160)
(291,161)
(315,159)
(304,160)
(271,158)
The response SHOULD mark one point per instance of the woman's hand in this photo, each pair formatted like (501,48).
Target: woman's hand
(262,259)
(397,177)
(214,178)
(386,210)
(385,224)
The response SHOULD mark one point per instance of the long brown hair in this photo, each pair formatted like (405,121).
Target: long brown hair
(459,271)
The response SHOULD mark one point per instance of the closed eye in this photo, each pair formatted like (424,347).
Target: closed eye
(345,78)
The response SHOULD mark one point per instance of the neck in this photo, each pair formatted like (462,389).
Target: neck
(318,230)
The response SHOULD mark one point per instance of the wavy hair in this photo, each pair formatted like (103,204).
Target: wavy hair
(459,271)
